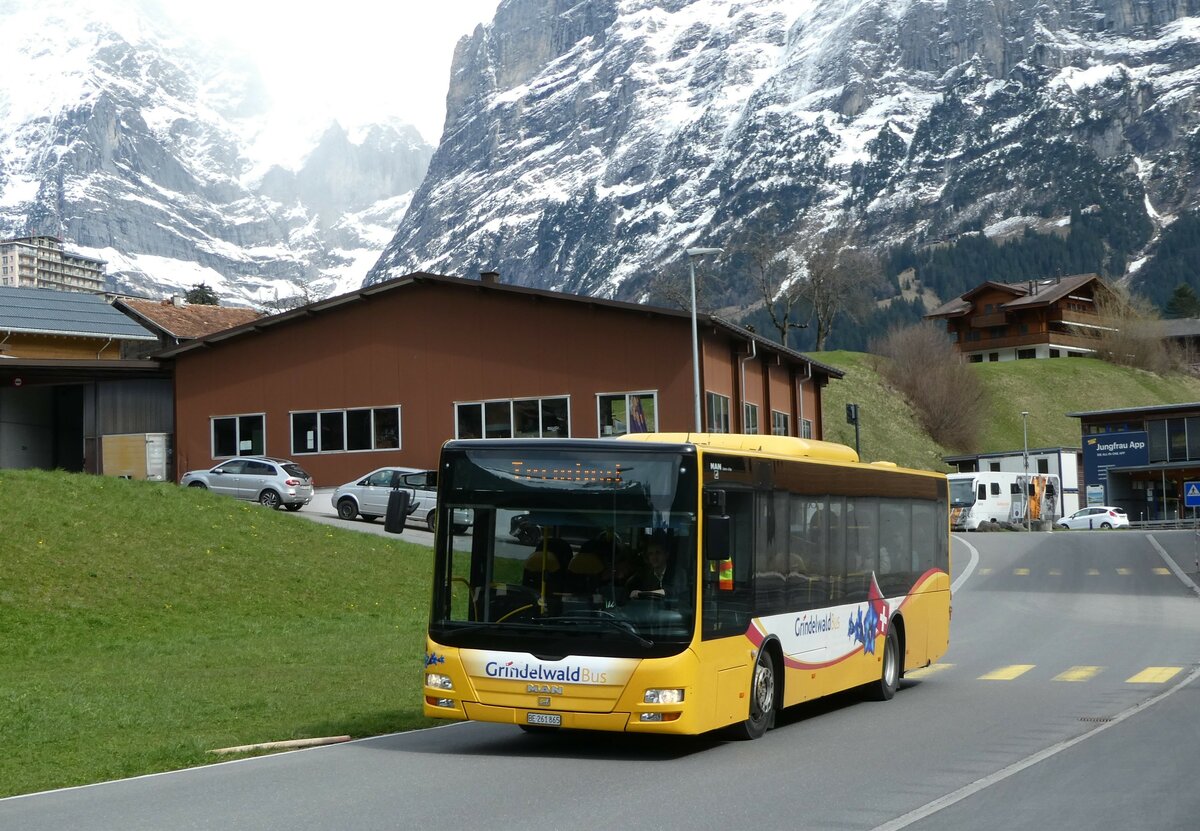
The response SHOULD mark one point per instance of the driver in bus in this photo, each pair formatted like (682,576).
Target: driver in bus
(656,577)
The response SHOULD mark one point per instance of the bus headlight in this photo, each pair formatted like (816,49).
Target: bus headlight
(439,682)
(663,697)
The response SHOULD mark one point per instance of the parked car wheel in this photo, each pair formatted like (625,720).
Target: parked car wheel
(347,509)
(431,521)
(369,517)
(200,485)
(270,499)
(293,507)
(1106,526)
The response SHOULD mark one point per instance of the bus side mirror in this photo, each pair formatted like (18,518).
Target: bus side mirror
(717,537)
(397,512)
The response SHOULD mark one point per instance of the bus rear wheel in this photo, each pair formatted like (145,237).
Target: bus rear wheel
(889,676)
(762,698)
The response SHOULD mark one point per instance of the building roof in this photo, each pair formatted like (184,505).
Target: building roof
(1154,409)
(400,283)
(1029,294)
(189,320)
(65,313)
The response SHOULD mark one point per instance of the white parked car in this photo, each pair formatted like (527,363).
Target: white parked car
(368,497)
(1096,516)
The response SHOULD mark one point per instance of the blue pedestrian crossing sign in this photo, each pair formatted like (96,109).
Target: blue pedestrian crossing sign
(1191,494)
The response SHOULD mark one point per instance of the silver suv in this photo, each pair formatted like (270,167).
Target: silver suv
(272,482)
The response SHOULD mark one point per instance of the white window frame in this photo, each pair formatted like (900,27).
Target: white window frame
(237,421)
(749,418)
(540,399)
(779,417)
(345,437)
(716,412)
(806,428)
(600,396)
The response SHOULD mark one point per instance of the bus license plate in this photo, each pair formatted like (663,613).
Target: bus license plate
(551,720)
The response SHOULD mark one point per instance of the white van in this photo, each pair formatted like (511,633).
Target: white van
(999,496)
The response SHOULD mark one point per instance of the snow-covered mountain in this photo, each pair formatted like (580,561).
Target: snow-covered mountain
(588,142)
(146,149)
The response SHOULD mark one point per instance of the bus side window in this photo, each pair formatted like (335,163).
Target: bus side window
(982,497)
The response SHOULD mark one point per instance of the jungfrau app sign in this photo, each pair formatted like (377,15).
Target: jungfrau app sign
(1105,450)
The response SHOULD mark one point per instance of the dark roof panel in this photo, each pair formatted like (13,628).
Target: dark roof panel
(68,313)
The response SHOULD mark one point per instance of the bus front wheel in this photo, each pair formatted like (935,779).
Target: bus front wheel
(889,676)
(762,698)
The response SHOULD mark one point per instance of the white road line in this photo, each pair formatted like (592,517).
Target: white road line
(1171,564)
(962,578)
(978,785)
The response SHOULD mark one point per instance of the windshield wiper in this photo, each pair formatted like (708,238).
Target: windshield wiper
(608,619)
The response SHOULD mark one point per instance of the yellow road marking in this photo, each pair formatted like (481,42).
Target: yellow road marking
(1021,572)
(1163,571)
(1093,572)
(984,572)
(1124,572)
(1007,673)
(1154,675)
(1078,674)
(924,671)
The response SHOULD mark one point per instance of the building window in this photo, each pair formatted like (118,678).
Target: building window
(995,467)
(993,356)
(717,407)
(627,412)
(241,435)
(779,423)
(750,419)
(1026,354)
(975,359)
(806,431)
(1053,353)
(1043,465)
(336,431)
(513,417)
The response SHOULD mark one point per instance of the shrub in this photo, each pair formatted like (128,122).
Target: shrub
(947,396)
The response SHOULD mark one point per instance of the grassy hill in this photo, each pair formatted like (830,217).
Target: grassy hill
(142,625)
(1047,389)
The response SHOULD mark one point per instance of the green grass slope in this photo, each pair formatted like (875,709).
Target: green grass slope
(143,624)
(1047,390)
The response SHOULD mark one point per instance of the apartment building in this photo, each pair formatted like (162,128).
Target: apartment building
(43,263)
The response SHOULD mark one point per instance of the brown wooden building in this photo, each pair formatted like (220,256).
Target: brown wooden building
(386,374)
(1034,319)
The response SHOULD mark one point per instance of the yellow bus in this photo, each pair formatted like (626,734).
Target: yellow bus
(679,583)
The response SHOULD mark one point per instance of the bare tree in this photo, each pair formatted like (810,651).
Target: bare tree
(1132,334)
(776,274)
(301,297)
(673,288)
(840,279)
(946,394)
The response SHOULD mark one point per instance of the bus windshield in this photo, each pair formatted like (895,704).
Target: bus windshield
(578,547)
(962,492)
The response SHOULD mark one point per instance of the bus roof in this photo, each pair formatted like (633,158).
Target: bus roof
(786,446)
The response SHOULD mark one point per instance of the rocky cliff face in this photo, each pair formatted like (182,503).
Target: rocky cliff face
(588,143)
(135,147)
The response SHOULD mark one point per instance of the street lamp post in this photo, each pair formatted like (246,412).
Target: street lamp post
(1025,433)
(693,253)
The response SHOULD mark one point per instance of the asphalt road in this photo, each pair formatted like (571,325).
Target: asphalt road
(1067,700)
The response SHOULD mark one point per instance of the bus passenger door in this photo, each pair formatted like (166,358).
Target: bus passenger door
(726,600)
